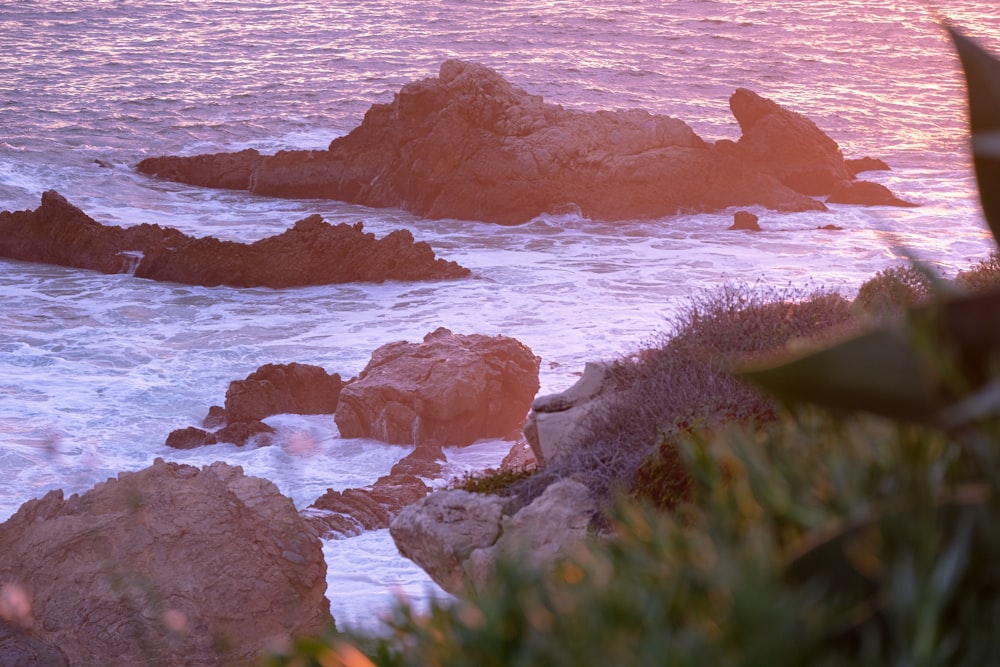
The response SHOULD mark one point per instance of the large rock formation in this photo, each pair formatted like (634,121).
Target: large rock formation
(457,536)
(169,565)
(312,252)
(470,145)
(450,389)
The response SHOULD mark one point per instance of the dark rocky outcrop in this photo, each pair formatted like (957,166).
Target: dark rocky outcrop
(169,565)
(450,389)
(272,389)
(312,252)
(351,511)
(858,165)
(470,145)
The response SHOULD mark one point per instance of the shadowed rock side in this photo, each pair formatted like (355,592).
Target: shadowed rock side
(470,145)
(312,252)
(352,511)
(272,389)
(170,565)
(450,389)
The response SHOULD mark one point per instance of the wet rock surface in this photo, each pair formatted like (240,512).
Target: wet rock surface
(312,252)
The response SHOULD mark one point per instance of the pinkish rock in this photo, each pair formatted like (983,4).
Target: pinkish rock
(312,252)
(450,389)
(169,565)
(865,193)
(273,389)
(786,145)
(468,144)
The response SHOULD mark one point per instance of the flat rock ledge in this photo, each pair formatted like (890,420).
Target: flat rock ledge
(311,252)
(470,145)
(170,565)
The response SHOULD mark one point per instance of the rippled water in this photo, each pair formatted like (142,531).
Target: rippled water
(96,370)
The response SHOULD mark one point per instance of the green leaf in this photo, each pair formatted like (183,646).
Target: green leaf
(982,75)
(878,372)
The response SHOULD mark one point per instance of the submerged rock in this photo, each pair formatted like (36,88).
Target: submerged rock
(468,144)
(169,565)
(865,193)
(450,389)
(312,252)
(746,221)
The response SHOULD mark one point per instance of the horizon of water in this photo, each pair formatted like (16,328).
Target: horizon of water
(96,370)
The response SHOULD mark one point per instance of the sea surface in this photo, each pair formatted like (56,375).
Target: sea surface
(96,370)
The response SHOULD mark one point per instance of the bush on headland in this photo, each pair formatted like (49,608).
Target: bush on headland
(849,521)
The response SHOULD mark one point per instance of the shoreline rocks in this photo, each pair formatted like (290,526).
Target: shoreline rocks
(312,252)
(168,565)
(470,145)
(449,389)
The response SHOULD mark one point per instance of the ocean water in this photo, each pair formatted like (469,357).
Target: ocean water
(96,370)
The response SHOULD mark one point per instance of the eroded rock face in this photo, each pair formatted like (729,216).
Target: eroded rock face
(865,193)
(468,144)
(450,389)
(352,511)
(312,252)
(169,565)
(786,145)
(272,389)
(457,536)
(557,422)
(439,532)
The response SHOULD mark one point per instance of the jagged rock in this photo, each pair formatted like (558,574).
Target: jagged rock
(169,565)
(244,432)
(312,252)
(468,144)
(555,425)
(216,417)
(189,438)
(424,461)
(865,193)
(450,389)
(786,145)
(439,532)
(551,527)
(273,389)
(745,220)
(520,458)
(351,511)
(457,536)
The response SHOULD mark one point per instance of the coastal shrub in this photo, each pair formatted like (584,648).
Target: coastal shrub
(814,540)
(888,293)
(491,480)
(683,380)
(982,276)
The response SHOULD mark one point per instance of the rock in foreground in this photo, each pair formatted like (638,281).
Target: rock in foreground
(470,145)
(450,389)
(169,565)
(312,252)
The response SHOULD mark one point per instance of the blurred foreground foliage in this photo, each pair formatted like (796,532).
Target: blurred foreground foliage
(856,528)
